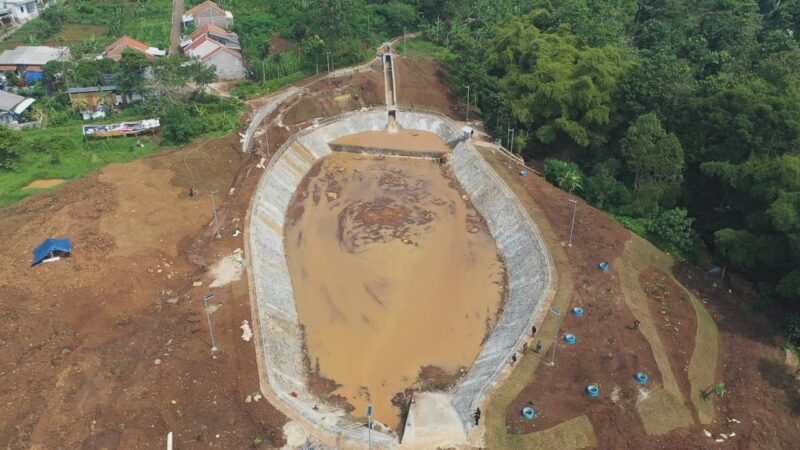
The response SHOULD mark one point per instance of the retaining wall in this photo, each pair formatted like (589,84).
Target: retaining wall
(280,334)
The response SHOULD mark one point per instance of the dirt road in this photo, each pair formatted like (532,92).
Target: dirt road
(177,24)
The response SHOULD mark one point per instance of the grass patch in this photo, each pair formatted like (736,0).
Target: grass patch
(62,153)
(423,49)
(671,413)
(247,89)
(662,412)
(703,363)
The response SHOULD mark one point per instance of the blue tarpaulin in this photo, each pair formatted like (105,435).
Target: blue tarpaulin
(50,247)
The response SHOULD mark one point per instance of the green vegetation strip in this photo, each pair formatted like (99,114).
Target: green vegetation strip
(703,364)
(62,153)
(668,413)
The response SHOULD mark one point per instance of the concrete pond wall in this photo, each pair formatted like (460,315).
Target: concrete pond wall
(516,237)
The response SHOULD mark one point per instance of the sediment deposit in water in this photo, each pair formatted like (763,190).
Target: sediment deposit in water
(393,270)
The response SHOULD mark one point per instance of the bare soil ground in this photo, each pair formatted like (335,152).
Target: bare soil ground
(762,406)
(109,348)
(676,322)
(420,84)
(608,351)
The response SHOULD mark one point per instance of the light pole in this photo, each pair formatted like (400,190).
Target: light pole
(206,299)
(511,132)
(214,207)
(557,313)
(572,227)
(467,103)
(328,59)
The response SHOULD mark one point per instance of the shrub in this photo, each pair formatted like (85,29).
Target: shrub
(564,174)
(674,227)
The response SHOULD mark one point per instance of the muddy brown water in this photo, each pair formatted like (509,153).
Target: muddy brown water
(408,140)
(392,270)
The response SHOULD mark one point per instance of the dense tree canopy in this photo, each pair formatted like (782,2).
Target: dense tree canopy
(680,117)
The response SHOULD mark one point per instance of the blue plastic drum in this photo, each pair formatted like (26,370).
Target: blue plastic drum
(577,311)
(523,173)
(570,338)
(603,266)
(528,413)
(593,390)
(642,377)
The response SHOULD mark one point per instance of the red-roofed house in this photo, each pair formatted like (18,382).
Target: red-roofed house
(115,49)
(228,63)
(208,12)
(228,38)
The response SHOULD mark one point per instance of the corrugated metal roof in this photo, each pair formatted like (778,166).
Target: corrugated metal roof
(8,100)
(33,55)
(85,90)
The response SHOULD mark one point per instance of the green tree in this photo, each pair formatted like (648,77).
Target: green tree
(130,78)
(314,46)
(203,76)
(555,87)
(654,157)
(177,124)
(9,143)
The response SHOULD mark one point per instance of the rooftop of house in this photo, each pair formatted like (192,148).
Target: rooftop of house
(134,44)
(221,48)
(204,6)
(209,28)
(13,102)
(90,89)
(33,55)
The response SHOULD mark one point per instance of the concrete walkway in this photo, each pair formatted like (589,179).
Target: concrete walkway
(175,34)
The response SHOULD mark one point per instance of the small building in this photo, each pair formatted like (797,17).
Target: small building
(208,12)
(27,61)
(228,63)
(21,10)
(115,49)
(12,106)
(95,101)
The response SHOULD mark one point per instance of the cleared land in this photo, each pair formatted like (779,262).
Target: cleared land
(764,400)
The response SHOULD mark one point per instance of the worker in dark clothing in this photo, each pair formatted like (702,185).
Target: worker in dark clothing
(533,330)
(513,359)
(477,416)
(636,323)
(538,347)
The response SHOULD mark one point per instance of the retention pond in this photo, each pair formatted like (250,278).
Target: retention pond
(393,270)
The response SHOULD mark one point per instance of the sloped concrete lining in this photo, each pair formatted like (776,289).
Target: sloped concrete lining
(277,324)
(527,263)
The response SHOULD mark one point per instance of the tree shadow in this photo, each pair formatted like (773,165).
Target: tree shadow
(779,377)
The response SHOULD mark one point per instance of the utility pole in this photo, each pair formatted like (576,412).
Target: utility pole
(214,207)
(328,59)
(467,103)
(511,140)
(206,299)
(572,227)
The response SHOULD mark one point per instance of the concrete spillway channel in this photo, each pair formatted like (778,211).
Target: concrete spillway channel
(280,344)
(389,79)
